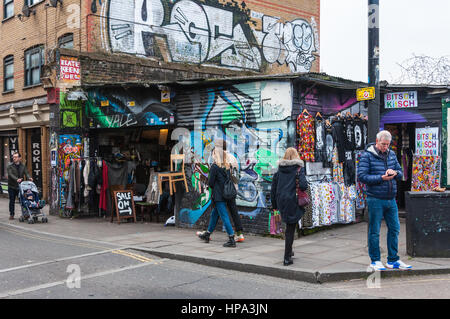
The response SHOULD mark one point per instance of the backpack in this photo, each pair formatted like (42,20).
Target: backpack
(229,191)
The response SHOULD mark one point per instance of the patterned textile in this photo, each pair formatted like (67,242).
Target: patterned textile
(316,203)
(361,188)
(306,134)
(338,168)
(347,203)
(425,173)
(307,217)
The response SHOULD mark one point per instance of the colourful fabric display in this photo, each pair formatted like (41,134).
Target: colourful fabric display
(425,173)
(361,188)
(347,203)
(306,134)
(338,168)
(307,217)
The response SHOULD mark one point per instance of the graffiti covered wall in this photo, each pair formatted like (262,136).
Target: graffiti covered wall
(265,36)
(252,119)
(120,108)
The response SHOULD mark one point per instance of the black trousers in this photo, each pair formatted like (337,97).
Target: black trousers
(13,193)
(232,208)
(289,240)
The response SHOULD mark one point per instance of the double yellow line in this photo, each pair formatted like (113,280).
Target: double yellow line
(132,255)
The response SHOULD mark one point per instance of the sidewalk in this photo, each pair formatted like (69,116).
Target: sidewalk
(330,255)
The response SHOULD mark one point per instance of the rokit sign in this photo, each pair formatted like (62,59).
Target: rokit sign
(36,160)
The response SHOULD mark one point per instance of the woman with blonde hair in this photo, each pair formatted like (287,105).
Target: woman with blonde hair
(284,196)
(216,181)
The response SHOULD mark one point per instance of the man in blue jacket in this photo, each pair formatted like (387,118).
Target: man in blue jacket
(380,170)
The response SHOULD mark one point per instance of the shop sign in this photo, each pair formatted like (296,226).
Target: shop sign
(124,205)
(36,160)
(427,141)
(165,96)
(365,93)
(13,145)
(131,103)
(69,70)
(399,100)
(104,103)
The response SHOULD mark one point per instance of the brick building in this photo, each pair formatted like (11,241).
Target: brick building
(62,57)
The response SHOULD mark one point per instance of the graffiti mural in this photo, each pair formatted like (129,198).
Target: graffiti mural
(213,32)
(70,114)
(118,108)
(255,143)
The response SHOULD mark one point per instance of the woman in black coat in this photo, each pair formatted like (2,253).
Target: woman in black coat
(284,196)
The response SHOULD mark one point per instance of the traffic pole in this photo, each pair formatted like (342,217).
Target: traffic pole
(374,70)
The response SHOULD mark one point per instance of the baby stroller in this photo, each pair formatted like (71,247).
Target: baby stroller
(30,203)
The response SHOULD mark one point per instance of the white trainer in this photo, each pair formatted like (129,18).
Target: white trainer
(398,265)
(377,266)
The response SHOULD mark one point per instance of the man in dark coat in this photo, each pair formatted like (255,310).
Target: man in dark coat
(284,197)
(16,173)
(380,171)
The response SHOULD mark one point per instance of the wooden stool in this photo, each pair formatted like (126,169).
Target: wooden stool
(143,208)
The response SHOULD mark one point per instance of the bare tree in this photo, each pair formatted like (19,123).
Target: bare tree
(422,69)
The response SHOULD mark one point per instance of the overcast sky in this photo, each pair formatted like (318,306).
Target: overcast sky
(421,27)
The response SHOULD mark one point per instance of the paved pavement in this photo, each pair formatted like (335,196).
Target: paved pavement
(335,254)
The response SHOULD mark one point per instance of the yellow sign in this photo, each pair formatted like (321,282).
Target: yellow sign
(165,96)
(131,103)
(365,94)
(104,103)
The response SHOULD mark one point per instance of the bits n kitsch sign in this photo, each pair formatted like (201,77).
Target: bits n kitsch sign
(69,69)
(427,141)
(400,100)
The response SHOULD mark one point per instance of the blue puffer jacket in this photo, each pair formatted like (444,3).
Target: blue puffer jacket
(370,169)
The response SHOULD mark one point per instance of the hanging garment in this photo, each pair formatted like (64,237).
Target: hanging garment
(358,130)
(87,188)
(349,134)
(152,192)
(365,134)
(425,173)
(328,207)
(347,203)
(338,170)
(349,162)
(306,135)
(320,151)
(307,217)
(339,138)
(329,147)
(103,191)
(70,187)
(316,204)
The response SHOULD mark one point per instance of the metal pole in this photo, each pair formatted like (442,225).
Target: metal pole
(374,74)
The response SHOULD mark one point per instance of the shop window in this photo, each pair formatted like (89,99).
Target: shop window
(8,8)
(8,73)
(66,41)
(34,60)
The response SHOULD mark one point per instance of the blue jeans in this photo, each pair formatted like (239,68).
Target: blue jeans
(220,208)
(379,208)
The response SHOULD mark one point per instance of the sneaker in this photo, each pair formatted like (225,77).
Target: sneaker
(398,265)
(377,266)
(240,238)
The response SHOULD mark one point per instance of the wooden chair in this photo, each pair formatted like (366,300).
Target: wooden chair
(173,176)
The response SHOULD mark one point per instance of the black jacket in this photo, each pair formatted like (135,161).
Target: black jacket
(283,191)
(14,174)
(216,180)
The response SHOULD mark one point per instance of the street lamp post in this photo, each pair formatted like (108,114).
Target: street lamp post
(374,70)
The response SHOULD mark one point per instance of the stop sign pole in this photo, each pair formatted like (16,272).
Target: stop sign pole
(374,70)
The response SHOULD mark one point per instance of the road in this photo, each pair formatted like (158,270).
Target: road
(51,267)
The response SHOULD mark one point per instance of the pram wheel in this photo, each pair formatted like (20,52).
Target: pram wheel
(35,219)
(30,221)
(45,220)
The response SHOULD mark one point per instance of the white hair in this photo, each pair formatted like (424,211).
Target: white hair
(384,136)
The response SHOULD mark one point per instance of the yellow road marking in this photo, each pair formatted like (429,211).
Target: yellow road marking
(132,255)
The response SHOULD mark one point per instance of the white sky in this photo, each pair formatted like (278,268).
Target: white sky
(421,27)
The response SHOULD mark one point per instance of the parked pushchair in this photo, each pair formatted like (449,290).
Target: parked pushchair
(30,203)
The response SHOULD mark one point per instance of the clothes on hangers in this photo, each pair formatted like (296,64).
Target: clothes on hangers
(339,138)
(306,135)
(320,142)
(329,146)
(103,195)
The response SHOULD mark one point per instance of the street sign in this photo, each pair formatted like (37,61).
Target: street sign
(365,93)
(165,96)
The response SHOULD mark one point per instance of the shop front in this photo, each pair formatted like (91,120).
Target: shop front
(259,120)
(414,116)
(122,143)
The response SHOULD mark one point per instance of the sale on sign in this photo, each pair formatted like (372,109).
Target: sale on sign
(427,141)
(69,69)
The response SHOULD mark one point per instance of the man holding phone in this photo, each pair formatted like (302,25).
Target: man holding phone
(380,170)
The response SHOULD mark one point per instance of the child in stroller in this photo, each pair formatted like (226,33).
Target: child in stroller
(30,203)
